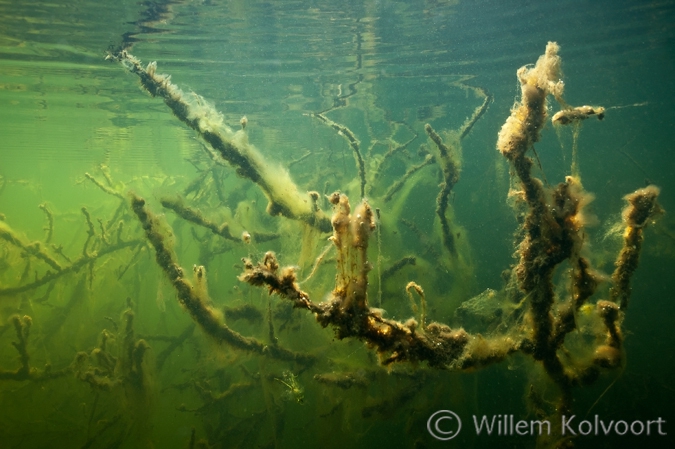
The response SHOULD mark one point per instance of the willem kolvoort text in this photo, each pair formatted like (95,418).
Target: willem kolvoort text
(506,425)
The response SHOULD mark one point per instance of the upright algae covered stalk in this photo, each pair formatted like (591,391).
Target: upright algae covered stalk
(351,234)
(522,129)
(539,253)
(642,208)
(553,232)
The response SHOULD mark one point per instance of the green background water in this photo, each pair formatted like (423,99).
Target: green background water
(65,111)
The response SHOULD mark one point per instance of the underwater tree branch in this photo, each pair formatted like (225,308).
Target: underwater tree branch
(193,299)
(642,208)
(50,222)
(477,114)
(354,144)
(553,232)
(195,216)
(74,267)
(283,195)
(394,148)
(174,343)
(347,310)
(34,249)
(398,265)
(104,188)
(400,182)
(104,371)
(450,170)
(22,328)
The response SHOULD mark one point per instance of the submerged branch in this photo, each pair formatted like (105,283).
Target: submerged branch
(347,310)
(22,326)
(81,261)
(34,249)
(195,216)
(283,195)
(354,144)
(399,183)
(450,170)
(194,299)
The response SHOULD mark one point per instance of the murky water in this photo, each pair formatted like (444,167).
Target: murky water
(96,349)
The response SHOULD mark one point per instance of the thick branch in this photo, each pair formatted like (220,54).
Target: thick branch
(283,195)
(347,309)
(193,298)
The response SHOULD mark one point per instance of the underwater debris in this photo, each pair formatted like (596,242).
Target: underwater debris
(104,188)
(50,222)
(642,208)
(423,302)
(450,169)
(90,230)
(354,144)
(104,371)
(34,249)
(347,311)
(343,380)
(548,239)
(246,312)
(187,294)
(393,149)
(174,343)
(553,231)
(317,262)
(195,216)
(195,302)
(86,258)
(295,391)
(522,128)
(218,400)
(22,326)
(397,266)
(575,115)
(283,195)
(400,182)
(477,113)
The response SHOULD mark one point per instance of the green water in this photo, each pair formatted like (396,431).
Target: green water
(382,70)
